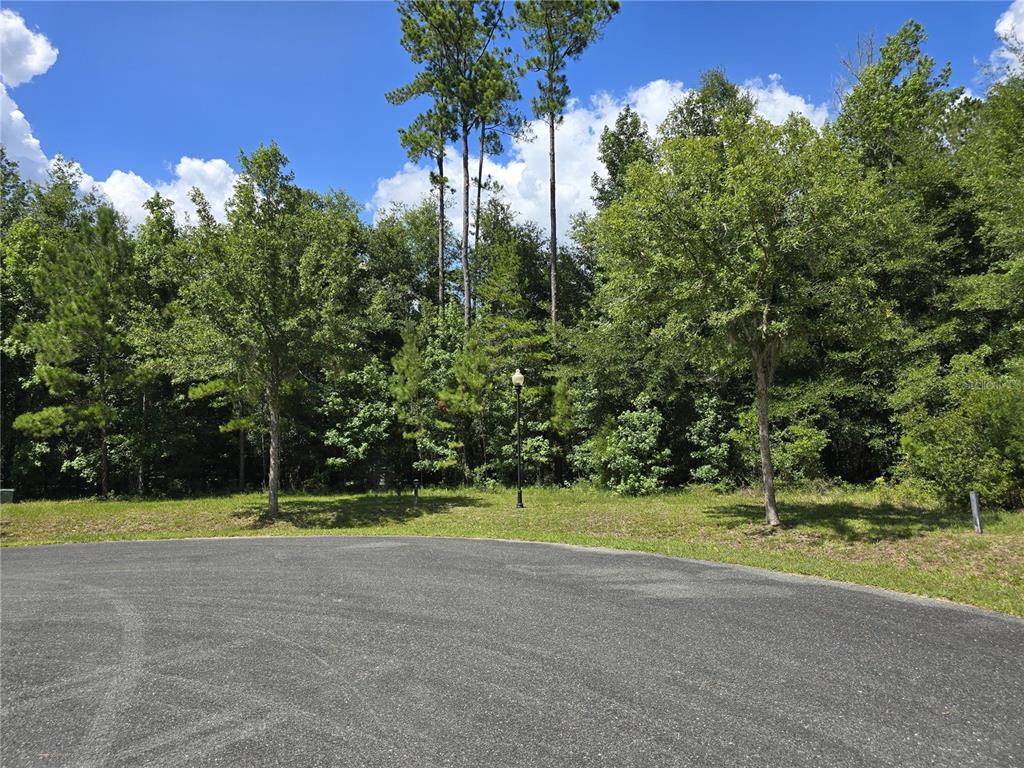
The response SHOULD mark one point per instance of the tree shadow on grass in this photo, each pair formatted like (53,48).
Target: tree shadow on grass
(353,512)
(845,520)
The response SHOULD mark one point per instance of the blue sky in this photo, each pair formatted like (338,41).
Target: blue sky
(138,86)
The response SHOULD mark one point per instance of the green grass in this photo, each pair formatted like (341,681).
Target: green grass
(859,536)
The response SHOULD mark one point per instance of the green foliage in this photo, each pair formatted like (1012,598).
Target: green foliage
(363,416)
(709,434)
(797,446)
(838,304)
(700,113)
(748,248)
(620,147)
(472,84)
(14,192)
(422,370)
(634,463)
(899,102)
(557,33)
(793,219)
(275,289)
(452,40)
(993,164)
(80,345)
(963,428)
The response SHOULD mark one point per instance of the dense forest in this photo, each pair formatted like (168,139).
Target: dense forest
(750,304)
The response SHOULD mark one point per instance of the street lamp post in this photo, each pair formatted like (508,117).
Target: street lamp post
(517,382)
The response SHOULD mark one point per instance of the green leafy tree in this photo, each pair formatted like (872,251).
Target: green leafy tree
(278,293)
(47,220)
(467,399)
(620,147)
(81,346)
(361,417)
(749,244)
(422,371)
(709,434)
(426,137)
(454,41)
(558,33)
(992,160)
(701,112)
(898,103)
(498,118)
(902,119)
(14,192)
(636,465)
(963,428)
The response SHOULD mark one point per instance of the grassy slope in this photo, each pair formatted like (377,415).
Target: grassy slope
(855,536)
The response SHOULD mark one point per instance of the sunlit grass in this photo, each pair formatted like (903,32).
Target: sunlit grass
(860,536)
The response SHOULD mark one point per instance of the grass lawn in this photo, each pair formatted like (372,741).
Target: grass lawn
(865,537)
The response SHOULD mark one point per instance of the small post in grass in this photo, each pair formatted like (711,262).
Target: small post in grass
(976,511)
(415,492)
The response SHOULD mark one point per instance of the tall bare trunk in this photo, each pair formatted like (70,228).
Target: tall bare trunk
(553,250)
(274,479)
(479,190)
(441,184)
(465,226)
(762,371)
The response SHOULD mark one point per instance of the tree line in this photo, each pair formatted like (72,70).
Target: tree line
(749,303)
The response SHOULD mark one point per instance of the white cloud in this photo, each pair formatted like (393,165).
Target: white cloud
(127,191)
(23,53)
(406,187)
(16,135)
(776,103)
(653,101)
(1010,28)
(523,175)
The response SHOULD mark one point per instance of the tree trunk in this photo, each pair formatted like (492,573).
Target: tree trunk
(479,189)
(274,479)
(553,249)
(465,225)
(440,227)
(762,371)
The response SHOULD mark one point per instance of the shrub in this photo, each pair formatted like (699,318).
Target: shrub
(963,430)
(709,435)
(633,461)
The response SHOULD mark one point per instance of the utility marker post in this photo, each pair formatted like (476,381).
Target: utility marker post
(976,511)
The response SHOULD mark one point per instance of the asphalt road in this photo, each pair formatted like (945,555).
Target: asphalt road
(435,652)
